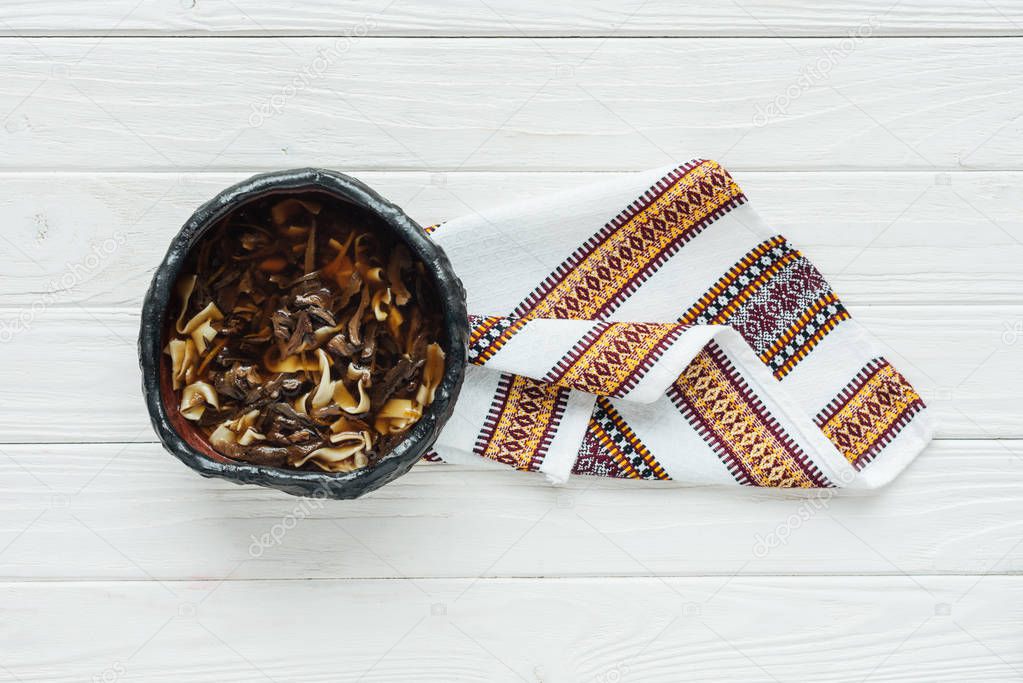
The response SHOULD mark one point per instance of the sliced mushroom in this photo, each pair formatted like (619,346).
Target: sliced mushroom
(355,323)
(303,337)
(341,347)
(401,373)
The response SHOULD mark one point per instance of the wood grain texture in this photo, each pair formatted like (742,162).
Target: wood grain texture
(705,629)
(559,104)
(70,374)
(132,512)
(521,18)
(895,162)
(880,237)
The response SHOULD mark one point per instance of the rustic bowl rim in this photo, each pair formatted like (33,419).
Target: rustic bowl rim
(301,482)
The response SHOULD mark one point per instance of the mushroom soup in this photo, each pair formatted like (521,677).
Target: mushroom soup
(305,336)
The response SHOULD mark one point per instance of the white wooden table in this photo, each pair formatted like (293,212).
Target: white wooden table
(885,139)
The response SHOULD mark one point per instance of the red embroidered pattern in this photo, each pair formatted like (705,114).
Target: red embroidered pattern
(777,300)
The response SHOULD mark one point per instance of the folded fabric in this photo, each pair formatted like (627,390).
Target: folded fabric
(654,327)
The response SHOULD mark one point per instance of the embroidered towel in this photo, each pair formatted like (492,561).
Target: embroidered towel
(655,327)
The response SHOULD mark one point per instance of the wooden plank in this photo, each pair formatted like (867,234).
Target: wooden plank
(880,237)
(959,357)
(132,512)
(525,17)
(755,629)
(71,374)
(559,104)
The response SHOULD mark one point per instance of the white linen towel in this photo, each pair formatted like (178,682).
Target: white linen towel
(655,327)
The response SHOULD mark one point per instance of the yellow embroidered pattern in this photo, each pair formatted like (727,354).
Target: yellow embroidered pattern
(725,417)
(868,418)
(603,274)
(612,362)
(519,431)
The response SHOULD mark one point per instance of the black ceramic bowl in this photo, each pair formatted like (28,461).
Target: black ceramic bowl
(188,444)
